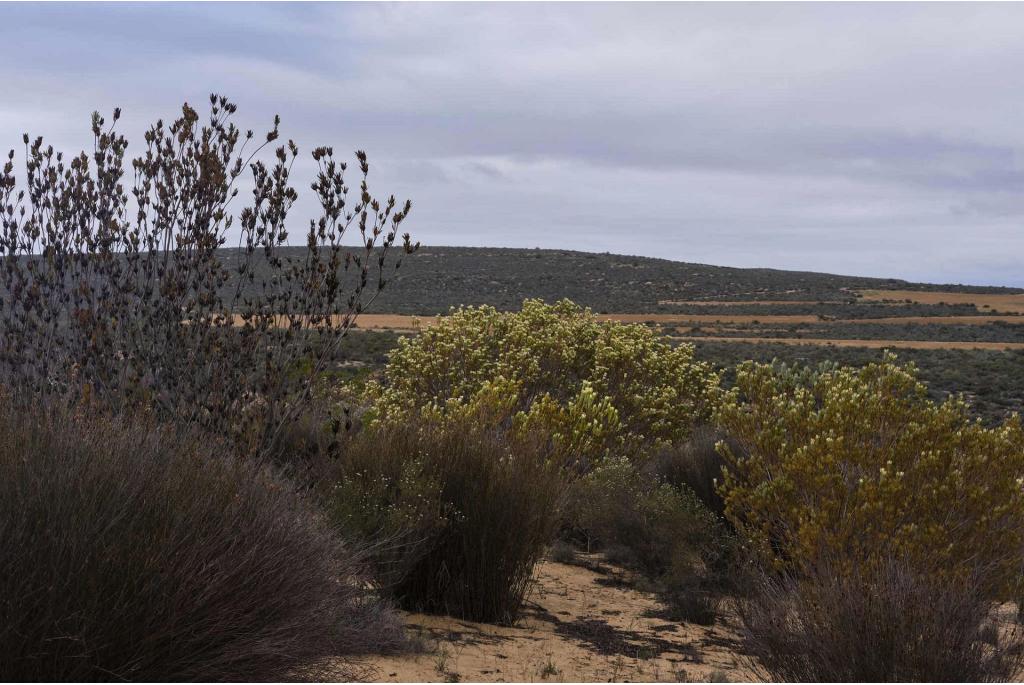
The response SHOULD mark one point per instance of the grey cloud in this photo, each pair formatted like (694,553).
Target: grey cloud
(882,139)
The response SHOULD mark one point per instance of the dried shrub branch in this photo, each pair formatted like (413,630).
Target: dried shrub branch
(131,297)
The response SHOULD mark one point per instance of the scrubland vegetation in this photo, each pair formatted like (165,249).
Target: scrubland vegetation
(193,487)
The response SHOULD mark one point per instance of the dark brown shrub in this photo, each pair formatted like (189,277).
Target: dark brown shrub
(888,622)
(130,553)
(130,295)
(464,511)
(695,464)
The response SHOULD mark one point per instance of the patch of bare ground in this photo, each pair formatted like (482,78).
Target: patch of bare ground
(999,302)
(582,623)
(875,344)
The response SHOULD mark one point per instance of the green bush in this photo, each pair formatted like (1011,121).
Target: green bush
(460,512)
(860,464)
(132,553)
(591,385)
(664,531)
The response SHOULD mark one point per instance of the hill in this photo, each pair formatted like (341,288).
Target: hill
(437,278)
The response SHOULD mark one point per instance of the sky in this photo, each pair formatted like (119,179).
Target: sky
(869,139)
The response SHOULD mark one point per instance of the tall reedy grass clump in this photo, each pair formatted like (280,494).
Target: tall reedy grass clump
(461,511)
(136,551)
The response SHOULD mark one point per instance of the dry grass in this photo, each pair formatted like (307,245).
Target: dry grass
(446,498)
(376,322)
(890,623)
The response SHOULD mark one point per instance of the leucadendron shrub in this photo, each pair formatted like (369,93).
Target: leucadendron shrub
(861,465)
(593,386)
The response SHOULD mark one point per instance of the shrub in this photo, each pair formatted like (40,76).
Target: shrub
(132,553)
(590,384)
(695,464)
(128,298)
(662,530)
(861,464)
(464,511)
(890,622)
(381,491)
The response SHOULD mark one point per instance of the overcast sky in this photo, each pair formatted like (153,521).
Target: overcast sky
(869,139)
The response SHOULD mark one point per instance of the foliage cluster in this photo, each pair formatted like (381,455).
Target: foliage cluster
(595,387)
(861,464)
(892,525)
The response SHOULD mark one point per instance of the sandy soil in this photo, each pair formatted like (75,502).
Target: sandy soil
(580,624)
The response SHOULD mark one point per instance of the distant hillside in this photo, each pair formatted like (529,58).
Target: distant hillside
(437,278)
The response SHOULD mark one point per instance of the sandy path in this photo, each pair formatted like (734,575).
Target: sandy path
(580,625)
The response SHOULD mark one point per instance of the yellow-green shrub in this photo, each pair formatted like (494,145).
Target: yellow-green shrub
(591,385)
(860,464)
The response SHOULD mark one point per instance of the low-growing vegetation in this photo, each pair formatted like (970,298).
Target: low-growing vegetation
(146,534)
(890,622)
